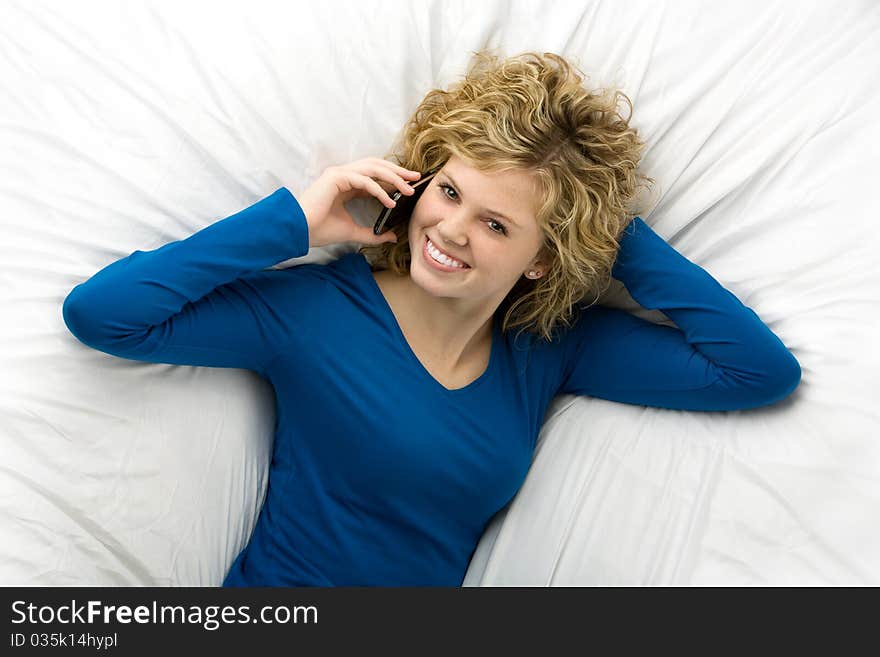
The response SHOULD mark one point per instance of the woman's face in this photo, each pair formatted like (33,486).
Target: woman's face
(485,220)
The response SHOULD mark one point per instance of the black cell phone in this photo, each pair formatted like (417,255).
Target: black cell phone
(390,217)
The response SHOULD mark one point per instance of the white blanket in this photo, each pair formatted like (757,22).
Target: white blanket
(129,125)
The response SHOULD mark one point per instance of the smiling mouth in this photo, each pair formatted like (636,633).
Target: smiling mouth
(452,263)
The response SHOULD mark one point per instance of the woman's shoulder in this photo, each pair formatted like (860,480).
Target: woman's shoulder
(346,273)
(306,282)
(327,266)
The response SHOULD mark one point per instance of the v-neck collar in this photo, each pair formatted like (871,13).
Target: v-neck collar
(374,285)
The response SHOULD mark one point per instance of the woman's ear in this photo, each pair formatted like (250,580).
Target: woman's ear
(543,260)
(538,267)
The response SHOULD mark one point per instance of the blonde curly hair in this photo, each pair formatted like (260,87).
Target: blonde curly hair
(530,113)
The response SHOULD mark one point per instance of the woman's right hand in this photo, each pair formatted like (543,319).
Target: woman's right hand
(324,201)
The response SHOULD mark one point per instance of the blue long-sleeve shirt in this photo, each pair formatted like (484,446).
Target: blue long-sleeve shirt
(380,475)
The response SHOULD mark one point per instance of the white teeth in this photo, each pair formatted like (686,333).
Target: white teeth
(441,258)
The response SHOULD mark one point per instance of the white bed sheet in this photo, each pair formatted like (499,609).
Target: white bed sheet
(129,125)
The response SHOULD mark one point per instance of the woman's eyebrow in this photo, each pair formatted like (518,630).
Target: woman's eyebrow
(493,212)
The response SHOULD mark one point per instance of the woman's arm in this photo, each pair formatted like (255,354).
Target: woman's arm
(203,300)
(722,358)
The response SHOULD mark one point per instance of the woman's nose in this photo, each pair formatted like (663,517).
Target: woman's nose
(452,228)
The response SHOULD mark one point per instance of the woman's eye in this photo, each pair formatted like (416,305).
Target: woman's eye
(444,187)
(501,230)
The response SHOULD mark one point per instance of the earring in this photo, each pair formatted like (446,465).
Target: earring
(532,273)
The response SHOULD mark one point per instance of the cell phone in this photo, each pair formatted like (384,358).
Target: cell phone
(390,217)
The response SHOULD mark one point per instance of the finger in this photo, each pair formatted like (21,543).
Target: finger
(402,171)
(371,186)
(389,175)
(366,236)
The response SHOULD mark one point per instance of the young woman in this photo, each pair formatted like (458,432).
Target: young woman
(408,407)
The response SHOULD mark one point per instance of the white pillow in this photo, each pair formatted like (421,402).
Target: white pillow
(129,126)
